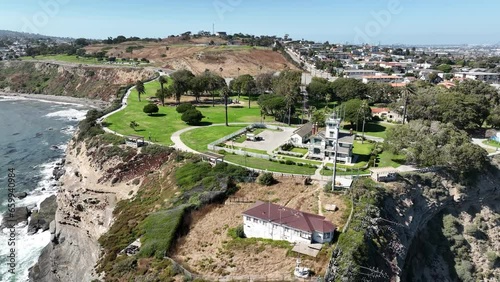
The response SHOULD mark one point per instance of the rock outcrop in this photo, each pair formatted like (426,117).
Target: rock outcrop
(42,218)
(84,213)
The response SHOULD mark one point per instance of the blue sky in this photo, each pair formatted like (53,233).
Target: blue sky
(353,21)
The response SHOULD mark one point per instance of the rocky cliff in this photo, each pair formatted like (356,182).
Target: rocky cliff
(424,227)
(101,82)
(85,206)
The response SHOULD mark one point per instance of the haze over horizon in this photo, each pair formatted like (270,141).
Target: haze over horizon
(363,21)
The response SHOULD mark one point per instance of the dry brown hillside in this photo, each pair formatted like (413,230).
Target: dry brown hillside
(199,57)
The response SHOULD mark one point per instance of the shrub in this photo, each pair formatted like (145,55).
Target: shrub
(155,150)
(150,109)
(192,117)
(300,164)
(237,232)
(267,179)
(287,147)
(289,162)
(184,107)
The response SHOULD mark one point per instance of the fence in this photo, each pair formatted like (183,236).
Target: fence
(240,152)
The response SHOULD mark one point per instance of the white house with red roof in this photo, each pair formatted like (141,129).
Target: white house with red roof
(271,221)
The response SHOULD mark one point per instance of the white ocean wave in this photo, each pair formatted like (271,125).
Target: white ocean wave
(71,114)
(68,130)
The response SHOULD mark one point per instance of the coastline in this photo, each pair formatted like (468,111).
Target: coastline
(96,104)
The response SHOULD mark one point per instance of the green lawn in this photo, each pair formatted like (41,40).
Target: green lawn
(302,151)
(199,138)
(270,166)
(491,143)
(329,172)
(374,129)
(299,160)
(388,159)
(162,125)
(364,148)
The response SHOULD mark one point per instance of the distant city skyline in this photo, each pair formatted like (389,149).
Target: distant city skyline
(408,22)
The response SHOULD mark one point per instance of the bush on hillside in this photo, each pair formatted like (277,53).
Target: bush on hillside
(267,179)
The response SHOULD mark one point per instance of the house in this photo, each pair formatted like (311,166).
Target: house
(302,134)
(386,114)
(221,34)
(324,144)
(271,221)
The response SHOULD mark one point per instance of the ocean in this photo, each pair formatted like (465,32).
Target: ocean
(33,138)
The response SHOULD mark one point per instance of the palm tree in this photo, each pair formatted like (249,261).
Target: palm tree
(225,92)
(162,81)
(139,86)
(406,92)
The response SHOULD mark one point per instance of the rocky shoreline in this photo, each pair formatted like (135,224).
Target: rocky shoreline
(84,212)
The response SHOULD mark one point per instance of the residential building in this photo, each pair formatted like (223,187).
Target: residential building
(324,144)
(488,77)
(382,79)
(387,114)
(358,73)
(301,135)
(271,221)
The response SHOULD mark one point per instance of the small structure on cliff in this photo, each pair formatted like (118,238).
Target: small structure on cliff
(135,141)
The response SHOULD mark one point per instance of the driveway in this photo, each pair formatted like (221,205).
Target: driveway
(272,139)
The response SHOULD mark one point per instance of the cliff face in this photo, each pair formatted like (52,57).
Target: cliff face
(102,82)
(417,242)
(84,213)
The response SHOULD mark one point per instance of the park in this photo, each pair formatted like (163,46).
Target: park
(160,127)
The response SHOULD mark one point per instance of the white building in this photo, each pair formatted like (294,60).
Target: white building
(324,145)
(488,77)
(270,221)
(358,73)
(383,79)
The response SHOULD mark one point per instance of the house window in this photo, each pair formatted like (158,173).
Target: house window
(254,220)
(247,217)
(327,235)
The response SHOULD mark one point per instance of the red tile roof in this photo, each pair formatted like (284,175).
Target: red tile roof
(293,218)
(380,110)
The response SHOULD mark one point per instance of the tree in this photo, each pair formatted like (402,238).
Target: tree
(214,82)
(150,109)
(406,92)
(133,124)
(192,117)
(349,88)
(288,85)
(319,89)
(162,81)
(266,179)
(181,83)
(356,111)
(225,93)
(244,84)
(264,82)
(427,143)
(198,86)
(273,105)
(164,93)
(139,86)
(444,68)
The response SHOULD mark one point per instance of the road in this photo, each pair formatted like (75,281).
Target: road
(313,72)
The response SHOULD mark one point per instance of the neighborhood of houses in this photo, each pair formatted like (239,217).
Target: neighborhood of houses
(398,68)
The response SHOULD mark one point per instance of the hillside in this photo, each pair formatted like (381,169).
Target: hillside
(68,80)
(198,57)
